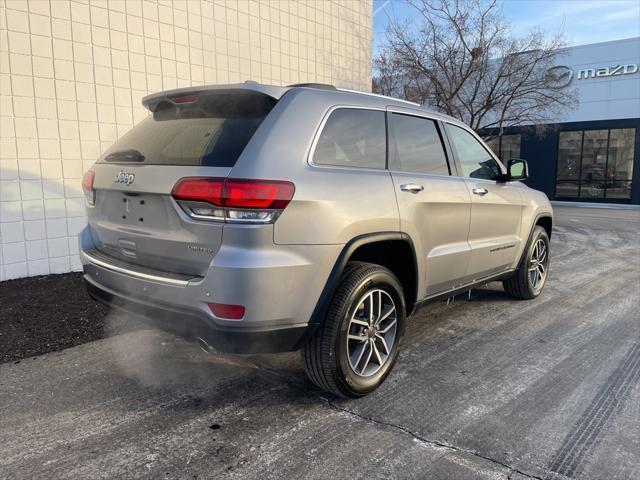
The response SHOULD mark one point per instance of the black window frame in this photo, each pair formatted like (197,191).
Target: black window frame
(392,144)
(323,125)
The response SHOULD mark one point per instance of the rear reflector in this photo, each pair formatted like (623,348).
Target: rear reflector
(242,199)
(229,312)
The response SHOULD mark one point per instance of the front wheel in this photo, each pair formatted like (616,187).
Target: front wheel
(528,280)
(357,345)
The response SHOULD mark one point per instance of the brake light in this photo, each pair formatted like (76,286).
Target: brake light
(87,187)
(237,200)
(185,99)
(229,312)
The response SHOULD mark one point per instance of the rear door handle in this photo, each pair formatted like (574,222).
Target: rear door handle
(411,187)
(480,191)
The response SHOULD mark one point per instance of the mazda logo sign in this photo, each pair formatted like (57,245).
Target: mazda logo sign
(558,77)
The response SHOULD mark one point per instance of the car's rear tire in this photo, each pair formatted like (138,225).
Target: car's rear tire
(531,275)
(357,345)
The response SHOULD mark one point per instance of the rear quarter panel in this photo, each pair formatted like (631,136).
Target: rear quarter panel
(331,205)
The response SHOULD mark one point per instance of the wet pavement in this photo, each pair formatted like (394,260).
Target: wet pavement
(486,387)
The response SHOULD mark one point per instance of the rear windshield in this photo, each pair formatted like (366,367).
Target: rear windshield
(211,131)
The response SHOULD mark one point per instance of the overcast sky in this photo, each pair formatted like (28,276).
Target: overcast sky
(582,21)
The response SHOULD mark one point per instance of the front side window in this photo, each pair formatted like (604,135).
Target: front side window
(417,146)
(353,137)
(475,160)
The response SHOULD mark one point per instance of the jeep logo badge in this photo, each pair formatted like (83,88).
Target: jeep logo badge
(124,178)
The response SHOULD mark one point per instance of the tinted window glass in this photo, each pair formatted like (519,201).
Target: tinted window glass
(595,163)
(352,138)
(418,147)
(212,131)
(475,160)
(594,154)
(569,152)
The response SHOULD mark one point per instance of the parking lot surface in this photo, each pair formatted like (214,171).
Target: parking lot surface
(486,387)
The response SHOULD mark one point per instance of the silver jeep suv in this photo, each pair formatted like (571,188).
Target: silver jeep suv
(256,218)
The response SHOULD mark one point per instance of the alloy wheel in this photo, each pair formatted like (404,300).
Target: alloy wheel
(538,264)
(372,333)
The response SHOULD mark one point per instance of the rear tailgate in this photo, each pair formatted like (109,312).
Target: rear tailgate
(141,224)
(134,217)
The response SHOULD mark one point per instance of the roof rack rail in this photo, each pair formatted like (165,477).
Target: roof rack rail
(320,86)
(379,96)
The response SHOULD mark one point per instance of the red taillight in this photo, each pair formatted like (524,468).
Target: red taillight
(87,186)
(199,189)
(257,193)
(87,180)
(229,312)
(241,199)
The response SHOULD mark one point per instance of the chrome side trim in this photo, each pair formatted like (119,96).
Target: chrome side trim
(133,273)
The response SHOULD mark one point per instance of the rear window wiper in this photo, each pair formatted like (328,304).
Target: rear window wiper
(125,156)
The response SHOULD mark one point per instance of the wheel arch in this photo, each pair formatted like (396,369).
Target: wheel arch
(369,248)
(545,220)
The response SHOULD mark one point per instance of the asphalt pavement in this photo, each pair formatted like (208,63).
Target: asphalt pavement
(485,387)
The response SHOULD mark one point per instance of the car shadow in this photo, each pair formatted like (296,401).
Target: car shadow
(489,294)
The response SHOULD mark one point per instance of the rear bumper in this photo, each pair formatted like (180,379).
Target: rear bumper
(191,324)
(279,286)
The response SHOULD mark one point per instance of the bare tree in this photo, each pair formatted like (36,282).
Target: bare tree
(386,81)
(463,59)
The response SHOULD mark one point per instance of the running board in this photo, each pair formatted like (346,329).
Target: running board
(460,289)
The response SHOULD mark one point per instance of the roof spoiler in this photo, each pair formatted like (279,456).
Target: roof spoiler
(183,95)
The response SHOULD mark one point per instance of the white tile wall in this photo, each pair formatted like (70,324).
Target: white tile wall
(73,72)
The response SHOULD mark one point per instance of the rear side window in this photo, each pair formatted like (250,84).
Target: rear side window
(353,137)
(417,146)
(211,131)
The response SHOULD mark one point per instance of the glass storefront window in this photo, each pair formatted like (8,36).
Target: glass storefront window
(621,150)
(595,164)
(594,155)
(510,146)
(569,153)
(567,189)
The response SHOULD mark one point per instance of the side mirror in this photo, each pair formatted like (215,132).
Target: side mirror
(517,169)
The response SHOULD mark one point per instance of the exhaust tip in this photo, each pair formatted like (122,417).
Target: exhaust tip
(204,346)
